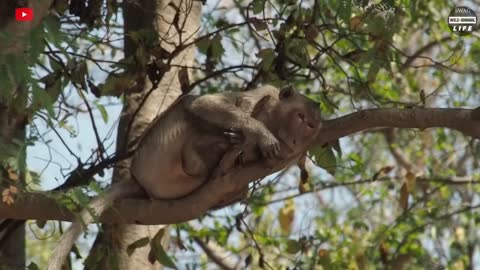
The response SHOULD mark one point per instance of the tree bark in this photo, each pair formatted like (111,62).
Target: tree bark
(154,15)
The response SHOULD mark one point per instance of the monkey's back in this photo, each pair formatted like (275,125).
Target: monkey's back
(157,162)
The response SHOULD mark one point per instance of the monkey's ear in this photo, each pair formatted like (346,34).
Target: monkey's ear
(286,92)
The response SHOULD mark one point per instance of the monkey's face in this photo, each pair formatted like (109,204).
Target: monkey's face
(301,117)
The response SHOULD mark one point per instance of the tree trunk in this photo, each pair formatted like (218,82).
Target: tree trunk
(12,250)
(111,243)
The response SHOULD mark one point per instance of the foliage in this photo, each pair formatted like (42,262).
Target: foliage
(389,199)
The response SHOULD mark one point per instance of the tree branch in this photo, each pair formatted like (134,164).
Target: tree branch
(40,206)
(466,121)
(214,257)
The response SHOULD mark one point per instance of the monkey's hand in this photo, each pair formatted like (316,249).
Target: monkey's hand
(268,144)
(235,135)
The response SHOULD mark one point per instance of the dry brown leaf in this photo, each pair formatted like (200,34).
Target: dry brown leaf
(356,23)
(12,174)
(7,197)
(410,180)
(286,215)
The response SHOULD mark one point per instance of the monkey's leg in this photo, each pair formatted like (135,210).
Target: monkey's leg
(227,162)
(220,110)
(201,153)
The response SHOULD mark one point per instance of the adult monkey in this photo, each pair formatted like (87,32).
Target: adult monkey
(200,137)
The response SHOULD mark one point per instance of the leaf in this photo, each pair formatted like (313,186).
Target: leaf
(296,48)
(293,246)
(202,45)
(162,257)
(32,266)
(403,197)
(413,7)
(311,32)
(373,71)
(12,174)
(102,111)
(383,171)
(216,46)
(259,25)
(324,158)
(60,6)
(94,89)
(267,56)
(286,215)
(76,252)
(335,144)
(324,258)
(248,260)
(345,10)
(383,250)
(460,234)
(410,181)
(7,197)
(257,6)
(356,23)
(40,223)
(303,188)
(137,244)
(116,84)
(41,100)
(423,97)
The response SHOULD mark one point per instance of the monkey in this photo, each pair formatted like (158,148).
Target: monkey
(287,119)
(200,137)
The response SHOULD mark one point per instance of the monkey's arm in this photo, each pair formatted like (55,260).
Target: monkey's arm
(221,110)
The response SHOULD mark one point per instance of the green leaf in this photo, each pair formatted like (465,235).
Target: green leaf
(324,158)
(267,56)
(60,6)
(217,47)
(32,266)
(116,84)
(103,112)
(296,49)
(42,100)
(413,7)
(373,71)
(345,10)
(137,244)
(257,6)
(162,256)
(293,246)
(203,45)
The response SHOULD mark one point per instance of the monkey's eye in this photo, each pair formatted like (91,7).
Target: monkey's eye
(310,125)
(301,116)
(286,92)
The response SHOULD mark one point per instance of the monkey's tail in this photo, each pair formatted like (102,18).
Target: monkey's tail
(96,207)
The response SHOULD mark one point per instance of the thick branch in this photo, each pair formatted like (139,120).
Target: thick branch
(39,206)
(463,120)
